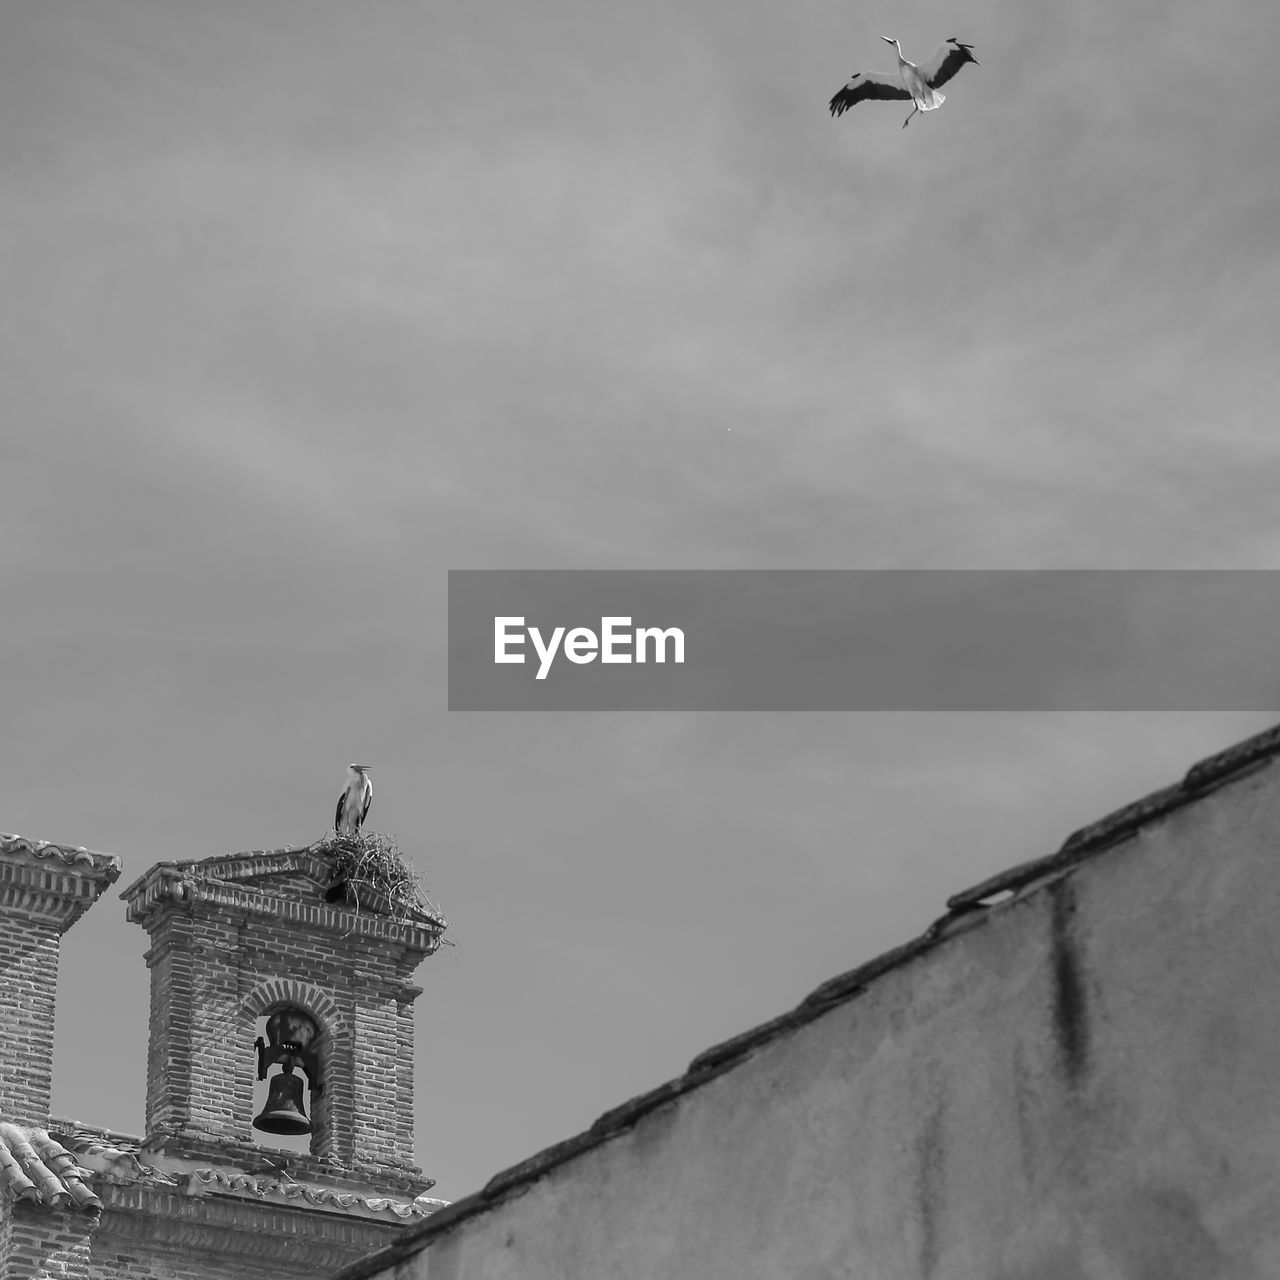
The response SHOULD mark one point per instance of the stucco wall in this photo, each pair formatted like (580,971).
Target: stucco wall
(1084,1084)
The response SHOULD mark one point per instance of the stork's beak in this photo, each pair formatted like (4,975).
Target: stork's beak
(887,39)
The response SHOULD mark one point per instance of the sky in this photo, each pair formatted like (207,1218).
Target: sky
(305,303)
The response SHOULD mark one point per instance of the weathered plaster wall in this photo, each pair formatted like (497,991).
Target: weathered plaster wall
(1081,1085)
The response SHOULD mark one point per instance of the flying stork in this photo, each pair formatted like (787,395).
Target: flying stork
(354,802)
(920,84)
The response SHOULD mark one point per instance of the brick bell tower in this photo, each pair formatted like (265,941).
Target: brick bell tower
(240,938)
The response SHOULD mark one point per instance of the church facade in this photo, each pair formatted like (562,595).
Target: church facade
(270,974)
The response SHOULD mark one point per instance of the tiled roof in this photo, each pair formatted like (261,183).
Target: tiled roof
(68,855)
(286,1190)
(965,909)
(56,882)
(36,1168)
(118,1158)
(83,1138)
(112,1156)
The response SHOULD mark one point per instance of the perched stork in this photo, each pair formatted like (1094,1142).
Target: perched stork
(920,84)
(354,802)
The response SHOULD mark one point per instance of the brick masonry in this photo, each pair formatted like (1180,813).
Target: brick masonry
(200,1194)
(44,889)
(28,957)
(34,1245)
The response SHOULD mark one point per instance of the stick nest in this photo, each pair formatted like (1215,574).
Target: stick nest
(374,860)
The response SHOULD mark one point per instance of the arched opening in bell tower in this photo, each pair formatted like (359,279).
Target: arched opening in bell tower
(288,1084)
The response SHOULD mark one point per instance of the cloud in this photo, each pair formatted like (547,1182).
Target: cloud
(307,302)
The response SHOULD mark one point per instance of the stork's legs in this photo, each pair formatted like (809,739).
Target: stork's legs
(907,121)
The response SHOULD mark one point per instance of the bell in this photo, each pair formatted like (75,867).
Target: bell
(284,1112)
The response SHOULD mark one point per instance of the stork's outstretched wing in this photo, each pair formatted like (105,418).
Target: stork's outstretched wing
(867,86)
(949,57)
